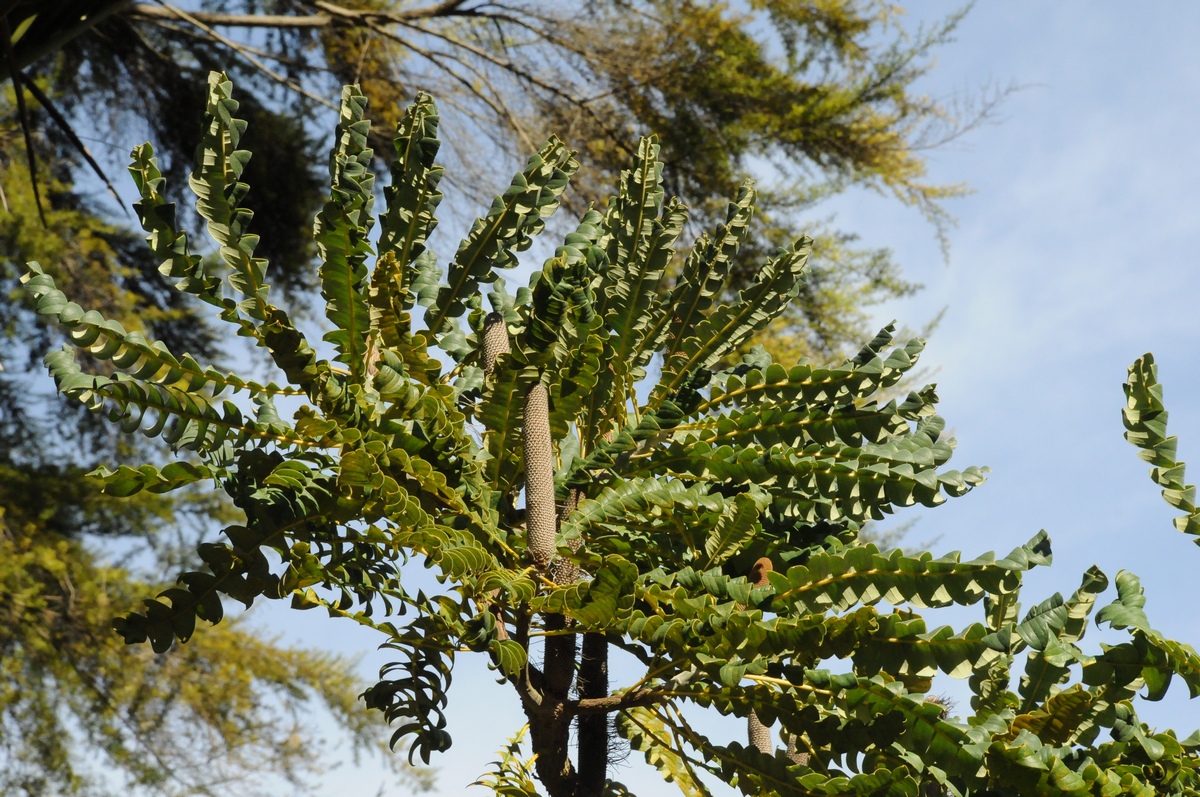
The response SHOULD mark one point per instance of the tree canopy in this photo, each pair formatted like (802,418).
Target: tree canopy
(702,518)
(823,91)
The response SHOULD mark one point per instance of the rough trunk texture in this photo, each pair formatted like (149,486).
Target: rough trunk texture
(540,516)
(495,341)
(550,726)
(593,729)
(550,731)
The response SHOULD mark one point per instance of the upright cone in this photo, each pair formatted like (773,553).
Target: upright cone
(541,519)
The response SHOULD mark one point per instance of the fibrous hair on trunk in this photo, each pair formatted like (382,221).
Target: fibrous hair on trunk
(495,341)
(593,729)
(540,515)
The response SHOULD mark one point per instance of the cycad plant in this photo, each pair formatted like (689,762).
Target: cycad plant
(593,463)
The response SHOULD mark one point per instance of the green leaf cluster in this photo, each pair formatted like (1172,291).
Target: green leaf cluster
(707,504)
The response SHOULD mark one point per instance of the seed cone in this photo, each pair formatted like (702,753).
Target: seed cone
(495,341)
(760,735)
(793,753)
(539,476)
(564,571)
(758,573)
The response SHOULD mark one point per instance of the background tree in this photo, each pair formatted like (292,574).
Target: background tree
(706,525)
(66,684)
(822,90)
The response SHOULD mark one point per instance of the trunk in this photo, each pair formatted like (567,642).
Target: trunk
(550,731)
(593,729)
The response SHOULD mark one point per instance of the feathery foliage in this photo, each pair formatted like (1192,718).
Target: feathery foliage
(655,506)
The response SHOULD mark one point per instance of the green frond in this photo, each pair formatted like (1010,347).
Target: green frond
(391,323)
(1062,714)
(413,196)
(1026,765)
(632,299)
(166,240)
(736,525)
(561,311)
(342,230)
(761,774)
(630,217)
(514,218)
(181,418)
(767,426)
(126,481)
(650,735)
(809,385)
(954,748)
(651,427)
(821,481)
(863,574)
(704,344)
(991,694)
(703,277)
(1052,632)
(639,235)
(630,498)
(1127,611)
(457,553)
(701,625)
(1159,658)
(510,775)
(1145,420)
(576,382)
(219,194)
(215,182)
(1165,659)
(289,509)
(107,340)
(502,411)
(405,270)
(417,697)
(609,594)
(903,648)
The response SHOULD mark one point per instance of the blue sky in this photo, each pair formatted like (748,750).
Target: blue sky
(1075,254)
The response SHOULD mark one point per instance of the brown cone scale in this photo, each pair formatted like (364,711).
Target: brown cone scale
(760,735)
(495,341)
(540,514)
